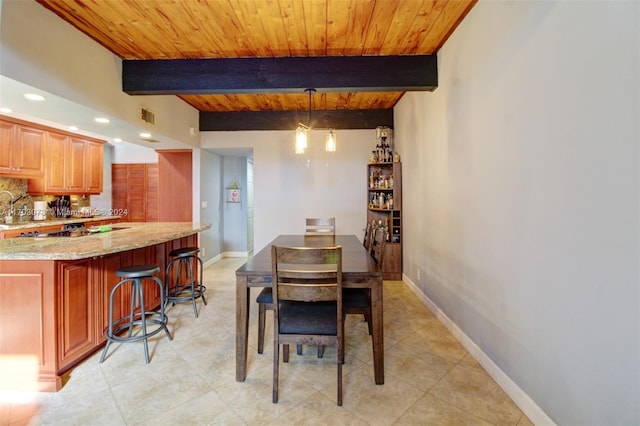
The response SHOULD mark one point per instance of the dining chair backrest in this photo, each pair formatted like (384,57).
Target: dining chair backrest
(320,226)
(366,240)
(378,245)
(307,302)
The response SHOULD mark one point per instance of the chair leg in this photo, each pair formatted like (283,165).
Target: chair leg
(339,382)
(320,351)
(261,317)
(285,353)
(299,349)
(367,317)
(276,365)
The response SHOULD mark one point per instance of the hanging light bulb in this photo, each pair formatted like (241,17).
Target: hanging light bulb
(330,145)
(301,139)
(301,131)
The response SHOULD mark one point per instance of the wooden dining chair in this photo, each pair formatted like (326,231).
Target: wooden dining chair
(320,226)
(357,301)
(307,301)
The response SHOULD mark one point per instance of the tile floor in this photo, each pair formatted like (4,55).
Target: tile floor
(429,377)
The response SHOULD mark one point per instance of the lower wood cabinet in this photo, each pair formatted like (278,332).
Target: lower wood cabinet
(77,310)
(12,233)
(105,268)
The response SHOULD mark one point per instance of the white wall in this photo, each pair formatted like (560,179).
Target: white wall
(520,196)
(288,187)
(128,153)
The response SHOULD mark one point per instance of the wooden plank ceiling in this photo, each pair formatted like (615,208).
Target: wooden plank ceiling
(199,34)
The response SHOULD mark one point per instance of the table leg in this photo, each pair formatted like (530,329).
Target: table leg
(378,334)
(242,327)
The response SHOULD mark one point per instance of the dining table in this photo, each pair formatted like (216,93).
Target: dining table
(359,270)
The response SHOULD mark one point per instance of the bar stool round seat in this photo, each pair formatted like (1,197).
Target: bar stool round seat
(150,322)
(184,288)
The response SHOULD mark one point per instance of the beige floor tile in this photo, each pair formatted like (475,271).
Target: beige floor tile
(474,391)
(420,369)
(432,411)
(318,410)
(376,404)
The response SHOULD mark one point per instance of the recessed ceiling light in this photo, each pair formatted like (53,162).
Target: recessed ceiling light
(117,140)
(103,120)
(145,135)
(73,127)
(34,97)
(6,110)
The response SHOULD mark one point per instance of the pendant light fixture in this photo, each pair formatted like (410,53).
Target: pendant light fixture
(303,129)
(330,145)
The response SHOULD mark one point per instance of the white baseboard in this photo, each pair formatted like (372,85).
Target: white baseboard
(235,254)
(211,261)
(519,397)
(221,256)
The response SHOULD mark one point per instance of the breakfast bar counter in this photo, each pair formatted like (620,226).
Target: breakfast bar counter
(125,236)
(54,295)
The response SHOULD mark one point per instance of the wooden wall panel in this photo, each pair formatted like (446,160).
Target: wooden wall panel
(175,186)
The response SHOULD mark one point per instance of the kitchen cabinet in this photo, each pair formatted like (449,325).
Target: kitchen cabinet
(13,233)
(76,311)
(385,210)
(72,165)
(21,149)
(135,191)
(105,268)
(94,166)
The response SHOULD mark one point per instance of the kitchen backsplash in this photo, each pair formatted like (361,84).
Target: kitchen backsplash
(18,187)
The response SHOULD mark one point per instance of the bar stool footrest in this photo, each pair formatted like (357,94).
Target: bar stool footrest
(128,325)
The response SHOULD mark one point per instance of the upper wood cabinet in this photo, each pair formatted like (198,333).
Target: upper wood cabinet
(73,165)
(94,164)
(21,149)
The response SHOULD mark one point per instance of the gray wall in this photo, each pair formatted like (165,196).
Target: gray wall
(520,196)
(234,216)
(211,194)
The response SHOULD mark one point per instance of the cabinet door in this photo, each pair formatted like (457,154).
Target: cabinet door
(105,273)
(29,155)
(55,163)
(119,189)
(152,193)
(7,138)
(75,166)
(136,196)
(93,167)
(76,311)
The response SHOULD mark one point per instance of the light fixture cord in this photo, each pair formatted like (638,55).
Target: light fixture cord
(310,92)
(309,118)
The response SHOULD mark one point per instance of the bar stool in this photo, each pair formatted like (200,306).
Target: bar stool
(133,276)
(190,289)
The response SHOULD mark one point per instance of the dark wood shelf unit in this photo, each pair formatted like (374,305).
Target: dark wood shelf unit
(388,182)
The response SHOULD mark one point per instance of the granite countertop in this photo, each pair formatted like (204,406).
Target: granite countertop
(42,223)
(130,235)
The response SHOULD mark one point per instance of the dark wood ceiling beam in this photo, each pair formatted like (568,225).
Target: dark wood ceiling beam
(288,120)
(280,75)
